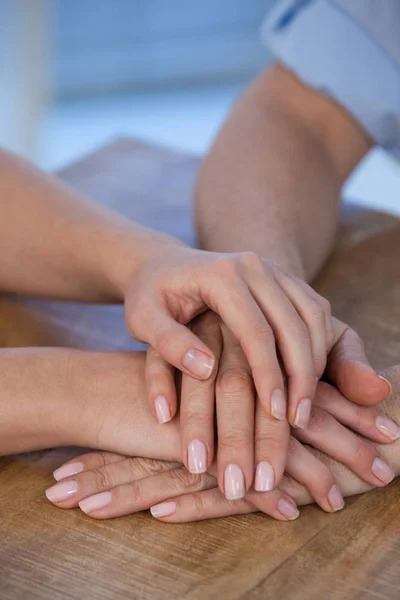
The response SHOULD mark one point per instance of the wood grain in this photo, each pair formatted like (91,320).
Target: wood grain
(46,553)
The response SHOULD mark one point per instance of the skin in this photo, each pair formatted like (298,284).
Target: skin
(122,485)
(56,243)
(282,155)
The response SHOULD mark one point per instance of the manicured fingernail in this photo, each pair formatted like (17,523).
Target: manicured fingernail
(387,383)
(387,427)
(303,414)
(162,409)
(197,457)
(288,509)
(68,470)
(335,498)
(382,471)
(278,405)
(198,363)
(265,477)
(234,482)
(163,510)
(96,502)
(61,491)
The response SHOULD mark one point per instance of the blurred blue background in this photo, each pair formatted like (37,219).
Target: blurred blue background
(76,74)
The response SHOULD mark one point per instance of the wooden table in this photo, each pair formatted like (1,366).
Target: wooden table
(47,553)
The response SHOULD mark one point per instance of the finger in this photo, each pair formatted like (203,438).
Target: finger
(160,385)
(271,448)
(177,344)
(197,405)
(212,504)
(99,481)
(305,468)
(86,462)
(242,315)
(369,422)
(292,339)
(323,433)
(235,419)
(313,310)
(140,495)
(349,369)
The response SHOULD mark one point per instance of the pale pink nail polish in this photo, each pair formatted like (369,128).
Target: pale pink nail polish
(387,427)
(96,502)
(198,363)
(61,491)
(335,498)
(265,477)
(278,405)
(163,510)
(387,383)
(68,470)
(382,471)
(234,483)
(303,414)
(197,457)
(163,412)
(288,509)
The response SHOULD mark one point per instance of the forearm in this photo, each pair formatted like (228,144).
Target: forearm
(271,182)
(55,242)
(54,397)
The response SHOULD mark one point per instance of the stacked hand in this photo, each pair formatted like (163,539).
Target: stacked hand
(111,485)
(271,323)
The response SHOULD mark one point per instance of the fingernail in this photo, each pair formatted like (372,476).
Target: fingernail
(335,498)
(61,491)
(303,414)
(162,409)
(68,470)
(163,510)
(198,363)
(197,457)
(265,477)
(387,427)
(234,482)
(382,471)
(95,502)
(278,405)
(288,509)
(388,384)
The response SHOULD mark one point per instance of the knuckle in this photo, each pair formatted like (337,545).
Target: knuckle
(234,440)
(184,481)
(233,381)
(194,415)
(326,306)
(104,479)
(251,260)
(318,421)
(363,453)
(227,265)
(262,334)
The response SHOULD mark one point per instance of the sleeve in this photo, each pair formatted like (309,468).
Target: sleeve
(349,50)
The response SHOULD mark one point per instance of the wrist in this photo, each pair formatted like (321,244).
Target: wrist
(115,415)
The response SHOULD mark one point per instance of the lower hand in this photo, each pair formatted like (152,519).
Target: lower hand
(108,485)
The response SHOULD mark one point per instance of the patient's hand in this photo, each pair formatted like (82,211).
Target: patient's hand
(108,485)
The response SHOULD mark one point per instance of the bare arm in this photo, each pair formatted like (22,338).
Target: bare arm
(271,182)
(55,242)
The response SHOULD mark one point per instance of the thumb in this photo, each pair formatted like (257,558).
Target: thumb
(174,342)
(349,369)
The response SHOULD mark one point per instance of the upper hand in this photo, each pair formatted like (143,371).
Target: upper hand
(266,310)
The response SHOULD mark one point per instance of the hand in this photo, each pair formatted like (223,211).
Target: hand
(108,485)
(265,308)
(246,434)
